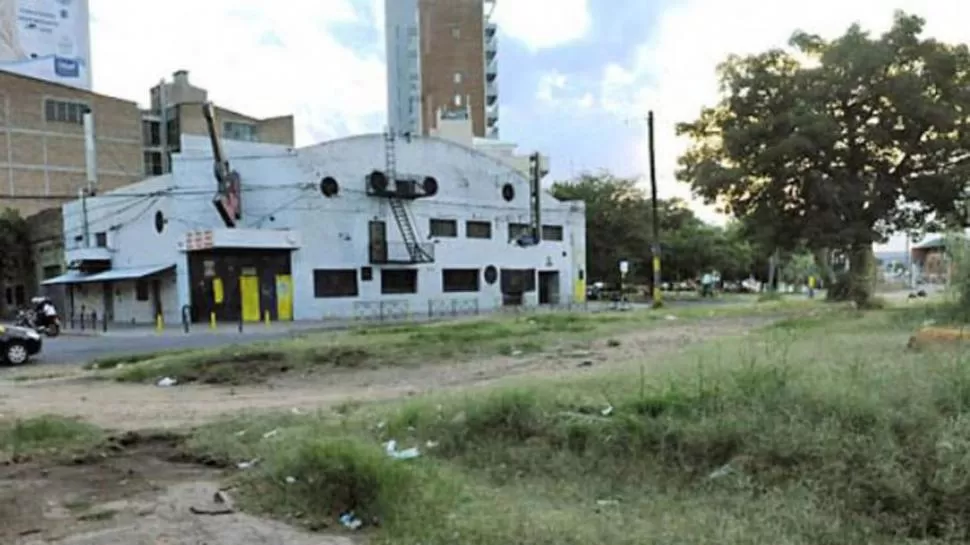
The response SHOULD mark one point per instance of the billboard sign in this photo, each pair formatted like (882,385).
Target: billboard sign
(46,39)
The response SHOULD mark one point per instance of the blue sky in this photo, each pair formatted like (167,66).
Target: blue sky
(577,77)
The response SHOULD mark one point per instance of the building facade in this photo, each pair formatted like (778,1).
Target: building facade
(180,104)
(42,151)
(43,161)
(442,62)
(324,232)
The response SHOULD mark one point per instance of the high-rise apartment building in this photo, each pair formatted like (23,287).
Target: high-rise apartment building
(441,62)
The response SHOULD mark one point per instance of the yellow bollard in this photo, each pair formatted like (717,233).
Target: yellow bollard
(266,317)
(212,320)
(159,324)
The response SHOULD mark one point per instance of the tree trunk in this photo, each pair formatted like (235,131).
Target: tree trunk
(823,260)
(861,274)
(773,271)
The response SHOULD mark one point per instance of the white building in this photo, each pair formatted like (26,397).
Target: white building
(318,238)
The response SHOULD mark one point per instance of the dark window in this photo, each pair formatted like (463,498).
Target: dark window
(366,274)
(491,274)
(232,130)
(508,192)
(399,281)
(50,271)
(101,239)
(159,221)
(334,283)
(478,229)
(517,230)
(151,132)
(19,295)
(552,232)
(61,111)
(444,228)
(141,289)
(459,280)
(9,296)
(153,163)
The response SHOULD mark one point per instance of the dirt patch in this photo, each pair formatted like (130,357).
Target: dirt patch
(135,406)
(128,491)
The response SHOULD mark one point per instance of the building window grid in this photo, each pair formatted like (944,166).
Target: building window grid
(65,111)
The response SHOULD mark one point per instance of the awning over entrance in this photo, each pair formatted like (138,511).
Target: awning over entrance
(111,275)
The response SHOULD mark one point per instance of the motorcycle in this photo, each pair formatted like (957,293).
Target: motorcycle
(52,328)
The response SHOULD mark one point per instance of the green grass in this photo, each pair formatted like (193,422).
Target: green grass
(405,345)
(45,434)
(820,429)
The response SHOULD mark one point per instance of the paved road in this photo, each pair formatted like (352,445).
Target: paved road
(68,349)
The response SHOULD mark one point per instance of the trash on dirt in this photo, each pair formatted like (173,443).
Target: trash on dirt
(381,425)
(607,411)
(271,433)
(607,503)
(240,433)
(431,444)
(222,505)
(167,382)
(290,480)
(351,521)
(586,363)
(670,317)
(407,454)
(249,464)
(296,411)
(721,472)
(516,353)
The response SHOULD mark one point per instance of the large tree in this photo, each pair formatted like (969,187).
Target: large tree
(835,144)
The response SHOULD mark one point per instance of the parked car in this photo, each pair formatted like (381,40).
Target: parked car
(18,344)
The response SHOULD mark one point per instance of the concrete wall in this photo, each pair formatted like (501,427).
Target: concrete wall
(281,191)
(45,159)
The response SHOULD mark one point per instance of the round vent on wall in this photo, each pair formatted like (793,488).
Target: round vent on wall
(159,222)
(377,181)
(491,274)
(508,192)
(430,186)
(329,187)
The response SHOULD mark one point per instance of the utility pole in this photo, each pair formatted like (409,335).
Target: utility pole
(163,125)
(655,246)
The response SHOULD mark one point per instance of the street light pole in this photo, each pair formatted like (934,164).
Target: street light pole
(655,246)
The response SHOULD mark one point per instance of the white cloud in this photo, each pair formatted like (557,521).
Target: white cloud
(674,70)
(556,90)
(543,24)
(227,47)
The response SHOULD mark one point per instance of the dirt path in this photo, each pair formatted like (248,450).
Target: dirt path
(136,496)
(133,407)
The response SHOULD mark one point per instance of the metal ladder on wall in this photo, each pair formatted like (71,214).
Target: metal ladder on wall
(398,208)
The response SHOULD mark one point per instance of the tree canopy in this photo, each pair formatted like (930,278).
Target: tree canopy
(14,249)
(835,144)
(618,227)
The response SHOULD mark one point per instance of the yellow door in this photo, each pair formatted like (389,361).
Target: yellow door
(284,297)
(249,292)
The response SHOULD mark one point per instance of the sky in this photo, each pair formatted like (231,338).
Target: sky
(576,77)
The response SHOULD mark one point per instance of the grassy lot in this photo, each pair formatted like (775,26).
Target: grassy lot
(819,429)
(378,346)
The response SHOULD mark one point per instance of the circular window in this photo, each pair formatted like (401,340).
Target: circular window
(159,221)
(508,192)
(329,187)
(430,186)
(377,180)
(491,274)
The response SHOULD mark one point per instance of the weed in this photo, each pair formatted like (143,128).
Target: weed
(45,433)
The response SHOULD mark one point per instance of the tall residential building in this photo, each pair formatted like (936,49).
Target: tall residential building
(442,63)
